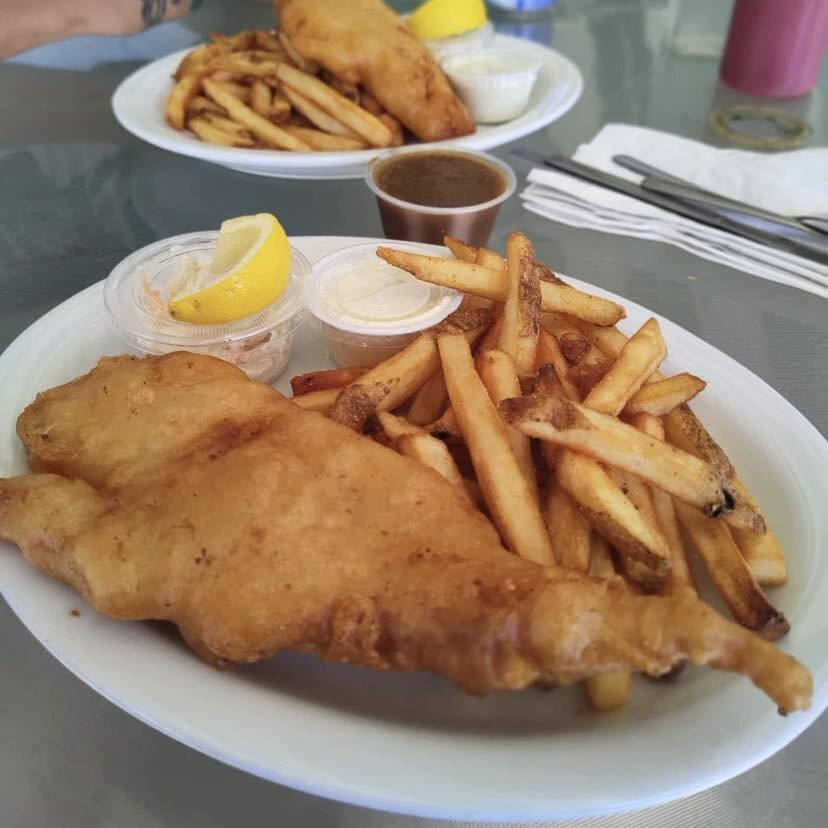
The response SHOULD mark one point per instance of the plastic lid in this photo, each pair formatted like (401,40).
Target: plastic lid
(135,294)
(354,290)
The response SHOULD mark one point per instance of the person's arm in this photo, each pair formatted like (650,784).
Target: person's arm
(29,23)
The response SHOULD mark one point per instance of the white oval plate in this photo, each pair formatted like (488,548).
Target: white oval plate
(139,102)
(412,743)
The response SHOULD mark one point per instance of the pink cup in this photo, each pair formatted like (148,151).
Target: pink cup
(775,47)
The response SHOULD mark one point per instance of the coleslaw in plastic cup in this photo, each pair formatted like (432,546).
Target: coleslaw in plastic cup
(137,293)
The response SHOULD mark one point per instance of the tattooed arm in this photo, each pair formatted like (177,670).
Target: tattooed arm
(29,23)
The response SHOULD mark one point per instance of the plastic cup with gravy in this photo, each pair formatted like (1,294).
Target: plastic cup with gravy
(424,194)
(367,310)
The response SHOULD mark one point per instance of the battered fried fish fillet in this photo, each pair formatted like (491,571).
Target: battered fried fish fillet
(175,488)
(364,42)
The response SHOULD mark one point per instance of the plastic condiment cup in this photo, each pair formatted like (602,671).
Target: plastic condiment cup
(470,41)
(495,84)
(136,295)
(423,223)
(366,309)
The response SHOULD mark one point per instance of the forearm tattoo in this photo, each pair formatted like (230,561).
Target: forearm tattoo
(153,11)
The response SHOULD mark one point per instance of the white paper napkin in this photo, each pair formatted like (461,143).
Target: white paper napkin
(790,183)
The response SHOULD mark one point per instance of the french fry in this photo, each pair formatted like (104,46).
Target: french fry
(267,41)
(730,573)
(320,380)
(182,92)
(226,124)
(320,401)
(590,362)
(430,401)
(661,397)
(493,284)
(255,64)
(549,352)
(460,249)
(488,258)
(365,125)
(680,577)
(416,443)
(646,574)
(639,357)
(324,141)
(316,115)
(242,40)
(764,555)
(491,336)
(405,372)
(198,57)
(238,90)
(609,510)
(568,530)
(362,400)
(260,127)
(280,108)
(445,426)
(521,311)
(214,135)
(497,372)
(606,691)
(685,431)
(202,104)
(306,65)
(507,494)
(261,98)
(615,443)
(396,427)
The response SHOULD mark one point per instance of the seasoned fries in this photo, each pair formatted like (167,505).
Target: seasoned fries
(614,443)
(731,574)
(663,396)
(497,371)
(363,123)
(266,73)
(505,490)
(493,284)
(585,457)
(521,312)
(262,128)
(639,357)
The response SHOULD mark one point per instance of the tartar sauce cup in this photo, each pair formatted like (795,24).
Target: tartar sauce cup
(434,205)
(136,295)
(495,84)
(368,310)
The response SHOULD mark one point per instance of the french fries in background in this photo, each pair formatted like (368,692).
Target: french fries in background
(252,90)
(598,466)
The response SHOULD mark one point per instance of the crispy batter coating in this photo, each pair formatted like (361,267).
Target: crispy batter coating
(175,488)
(365,43)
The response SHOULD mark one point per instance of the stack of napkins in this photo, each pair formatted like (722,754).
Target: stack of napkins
(789,183)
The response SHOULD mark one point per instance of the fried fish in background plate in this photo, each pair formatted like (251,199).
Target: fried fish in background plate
(365,43)
(176,488)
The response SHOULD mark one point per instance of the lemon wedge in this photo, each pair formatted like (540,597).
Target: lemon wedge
(249,270)
(436,19)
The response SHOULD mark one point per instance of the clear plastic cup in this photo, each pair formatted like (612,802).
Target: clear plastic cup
(136,295)
(367,310)
(424,223)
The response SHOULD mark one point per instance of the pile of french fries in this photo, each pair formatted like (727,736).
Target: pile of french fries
(543,414)
(254,90)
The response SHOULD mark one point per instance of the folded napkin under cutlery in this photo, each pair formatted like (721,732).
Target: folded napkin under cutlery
(791,184)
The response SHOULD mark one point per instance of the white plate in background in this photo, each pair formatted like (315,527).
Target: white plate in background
(139,103)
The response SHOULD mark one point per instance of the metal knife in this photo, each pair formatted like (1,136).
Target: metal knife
(815,250)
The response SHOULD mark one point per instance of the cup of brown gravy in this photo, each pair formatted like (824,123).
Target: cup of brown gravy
(424,194)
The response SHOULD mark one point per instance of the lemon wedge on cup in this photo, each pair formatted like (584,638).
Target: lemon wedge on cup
(249,270)
(437,19)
